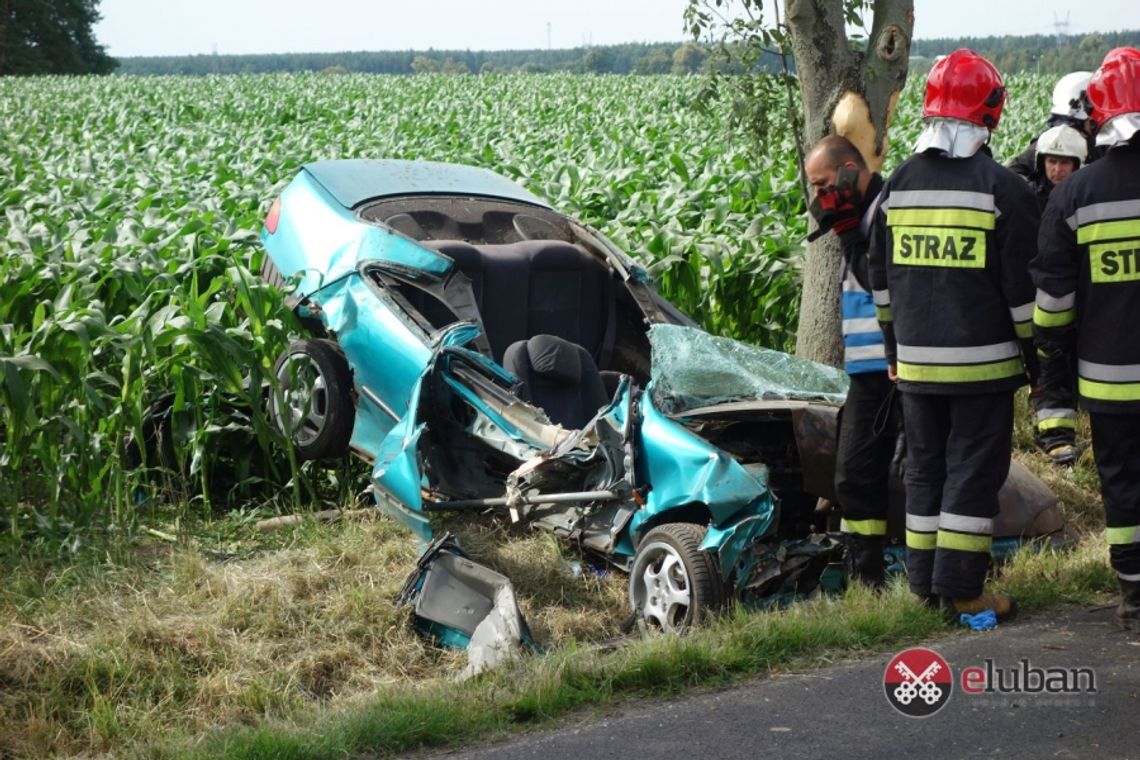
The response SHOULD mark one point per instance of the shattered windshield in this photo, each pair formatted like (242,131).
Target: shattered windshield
(692,369)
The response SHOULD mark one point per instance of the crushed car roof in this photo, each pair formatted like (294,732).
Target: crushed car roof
(354,181)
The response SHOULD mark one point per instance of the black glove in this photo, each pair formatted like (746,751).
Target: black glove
(898,459)
(837,207)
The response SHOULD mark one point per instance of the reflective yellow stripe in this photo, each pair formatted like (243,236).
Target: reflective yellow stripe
(927,541)
(964,542)
(1108,391)
(1129,534)
(960,373)
(1052,424)
(1023,329)
(1114,262)
(1043,318)
(884,314)
(952,247)
(940,217)
(864,527)
(1122,228)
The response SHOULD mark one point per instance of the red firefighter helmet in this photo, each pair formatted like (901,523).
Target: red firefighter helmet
(966,86)
(1115,87)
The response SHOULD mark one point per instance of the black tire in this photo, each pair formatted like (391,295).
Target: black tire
(314,408)
(674,584)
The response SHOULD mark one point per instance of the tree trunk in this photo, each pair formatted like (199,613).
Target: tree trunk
(853,94)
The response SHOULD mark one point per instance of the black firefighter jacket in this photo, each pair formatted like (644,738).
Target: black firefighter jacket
(950,254)
(1088,283)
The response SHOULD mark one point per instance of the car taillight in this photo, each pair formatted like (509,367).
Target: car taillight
(273,215)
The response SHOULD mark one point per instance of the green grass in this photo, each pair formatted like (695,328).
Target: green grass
(738,645)
(537,690)
(294,648)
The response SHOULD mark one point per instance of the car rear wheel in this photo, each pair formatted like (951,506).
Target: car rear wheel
(674,584)
(314,408)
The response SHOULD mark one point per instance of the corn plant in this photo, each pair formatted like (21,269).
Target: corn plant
(131,213)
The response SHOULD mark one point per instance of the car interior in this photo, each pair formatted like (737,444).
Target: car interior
(531,273)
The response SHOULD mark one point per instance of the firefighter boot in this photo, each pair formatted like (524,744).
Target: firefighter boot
(864,560)
(1128,612)
(1063,453)
(1004,606)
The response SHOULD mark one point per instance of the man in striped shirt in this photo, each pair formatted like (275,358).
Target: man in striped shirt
(845,192)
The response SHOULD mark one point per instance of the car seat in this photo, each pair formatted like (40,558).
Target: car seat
(559,377)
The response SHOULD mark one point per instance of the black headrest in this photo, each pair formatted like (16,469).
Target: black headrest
(555,358)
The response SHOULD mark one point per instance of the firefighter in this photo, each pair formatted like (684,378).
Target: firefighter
(845,191)
(1088,300)
(950,251)
(1069,109)
(1061,150)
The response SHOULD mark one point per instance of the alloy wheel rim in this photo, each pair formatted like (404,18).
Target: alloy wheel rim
(660,588)
(303,407)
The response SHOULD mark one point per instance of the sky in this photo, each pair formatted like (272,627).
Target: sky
(185,27)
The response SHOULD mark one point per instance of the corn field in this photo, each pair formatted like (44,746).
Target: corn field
(132,208)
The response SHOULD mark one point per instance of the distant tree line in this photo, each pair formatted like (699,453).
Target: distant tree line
(630,58)
(51,37)
(1010,54)
(55,37)
(1042,53)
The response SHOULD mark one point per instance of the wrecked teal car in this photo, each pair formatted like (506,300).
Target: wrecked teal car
(484,352)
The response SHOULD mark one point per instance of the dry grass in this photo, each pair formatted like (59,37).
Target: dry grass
(91,660)
(104,655)
(1077,486)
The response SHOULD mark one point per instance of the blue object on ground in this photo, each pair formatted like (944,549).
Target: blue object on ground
(983,621)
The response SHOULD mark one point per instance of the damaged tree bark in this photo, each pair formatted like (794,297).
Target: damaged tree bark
(851,93)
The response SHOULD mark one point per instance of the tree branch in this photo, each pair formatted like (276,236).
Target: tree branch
(798,131)
(886,63)
(820,48)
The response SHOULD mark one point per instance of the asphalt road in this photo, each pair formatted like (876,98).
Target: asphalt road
(842,710)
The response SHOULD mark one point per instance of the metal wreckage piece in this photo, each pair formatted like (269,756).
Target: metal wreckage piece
(464,605)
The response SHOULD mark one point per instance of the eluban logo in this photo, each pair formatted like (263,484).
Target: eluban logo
(918,682)
(1024,678)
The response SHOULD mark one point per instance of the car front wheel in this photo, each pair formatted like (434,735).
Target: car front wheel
(314,407)
(674,584)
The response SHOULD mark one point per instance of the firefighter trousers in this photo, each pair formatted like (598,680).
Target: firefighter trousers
(1116,447)
(958,456)
(1054,404)
(868,430)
